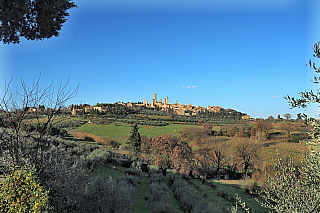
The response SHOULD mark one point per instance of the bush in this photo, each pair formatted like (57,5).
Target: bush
(158,197)
(156,176)
(131,179)
(108,196)
(158,193)
(164,208)
(187,198)
(97,156)
(21,191)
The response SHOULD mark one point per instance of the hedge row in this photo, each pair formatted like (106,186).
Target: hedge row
(188,198)
(158,197)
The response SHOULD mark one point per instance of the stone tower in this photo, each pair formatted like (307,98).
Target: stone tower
(167,100)
(155,97)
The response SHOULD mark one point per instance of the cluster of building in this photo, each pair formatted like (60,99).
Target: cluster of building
(176,108)
(179,109)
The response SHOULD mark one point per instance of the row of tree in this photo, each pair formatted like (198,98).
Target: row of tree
(174,152)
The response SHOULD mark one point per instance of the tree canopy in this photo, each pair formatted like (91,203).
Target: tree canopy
(308,97)
(32,19)
(292,189)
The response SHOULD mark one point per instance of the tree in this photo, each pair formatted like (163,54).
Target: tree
(287,191)
(145,144)
(21,192)
(287,116)
(133,144)
(231,130)
(270,117)
(181,157)
(219,156)
(32,19)
(207,128)
(15,106)
(241,133)
(299,116)
(308,97)
(23,145)
(264,127)
(247,153)
(204,159)
(295,190)
(170,151)
(286,126)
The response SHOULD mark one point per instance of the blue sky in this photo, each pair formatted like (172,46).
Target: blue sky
(244,55)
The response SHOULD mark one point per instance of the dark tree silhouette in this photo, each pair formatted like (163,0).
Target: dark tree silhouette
(311,96)
(133,145)
(32,19)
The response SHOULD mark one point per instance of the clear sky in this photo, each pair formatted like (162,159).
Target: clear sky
(243,55)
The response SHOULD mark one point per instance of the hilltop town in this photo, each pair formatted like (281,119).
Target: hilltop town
(164,105)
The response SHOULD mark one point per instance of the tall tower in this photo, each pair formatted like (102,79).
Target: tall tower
(155,97)
(167,100)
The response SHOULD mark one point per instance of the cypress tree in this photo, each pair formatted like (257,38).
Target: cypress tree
(133,145)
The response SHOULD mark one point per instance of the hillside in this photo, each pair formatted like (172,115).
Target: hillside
(171,193)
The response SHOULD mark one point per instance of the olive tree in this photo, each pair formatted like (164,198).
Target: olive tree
(24,123)
(308,97)
(292,189)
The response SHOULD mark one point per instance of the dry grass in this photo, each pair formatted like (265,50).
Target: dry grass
(91,137)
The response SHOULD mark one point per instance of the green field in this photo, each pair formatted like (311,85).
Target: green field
(120,131)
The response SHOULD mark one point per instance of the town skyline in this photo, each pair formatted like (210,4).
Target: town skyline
(164,105)
(236,54)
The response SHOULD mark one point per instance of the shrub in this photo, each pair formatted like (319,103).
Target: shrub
(97,156)
(131,179)
(156,176)
(158,193)
(21,191)
(134,172)
(187,198)
(108,196)
(202,207)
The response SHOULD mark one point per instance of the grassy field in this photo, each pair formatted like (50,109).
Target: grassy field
(120,131)
(140,205)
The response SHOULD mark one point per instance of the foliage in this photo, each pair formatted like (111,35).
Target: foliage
(170,151)
(308,97)
(207,128)
(97,157)
(33,19)
(20,191)
(158,197)
(248,154)
(109,196)
(291,189)
(16,136)
(188,200)
(295,190)
(287,116)
(133,144)
(134,172)
(263,126)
